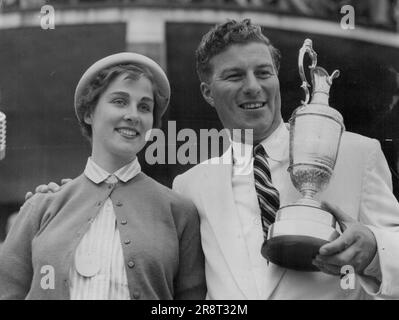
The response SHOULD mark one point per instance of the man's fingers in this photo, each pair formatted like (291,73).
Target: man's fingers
(326,268)
(342,217)
(65,181)
(340,259)
(28,195)
(53,187)
(43,188)
(340,244)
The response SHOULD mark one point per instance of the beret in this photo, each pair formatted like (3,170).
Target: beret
(159,77)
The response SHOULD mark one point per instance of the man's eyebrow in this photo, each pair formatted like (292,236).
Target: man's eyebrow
(232,69)
(265,65)
(236,69)
(147,99)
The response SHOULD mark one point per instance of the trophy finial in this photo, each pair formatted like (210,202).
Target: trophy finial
(306,48)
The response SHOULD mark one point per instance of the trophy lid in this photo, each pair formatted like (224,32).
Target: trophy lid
(321,83)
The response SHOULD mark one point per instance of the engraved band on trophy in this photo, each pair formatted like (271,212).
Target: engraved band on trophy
(300,229)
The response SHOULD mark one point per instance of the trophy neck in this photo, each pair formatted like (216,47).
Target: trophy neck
(320,97)
(321,86)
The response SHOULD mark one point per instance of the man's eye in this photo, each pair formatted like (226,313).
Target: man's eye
(233,77)
(265,74)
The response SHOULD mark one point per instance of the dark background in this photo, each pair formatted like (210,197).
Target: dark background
(39,71)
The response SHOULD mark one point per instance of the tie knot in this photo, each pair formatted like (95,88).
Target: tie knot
(260,151)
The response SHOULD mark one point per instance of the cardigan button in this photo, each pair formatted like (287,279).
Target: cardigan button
(136,294)
(127,241)
(131,264)
(119,204)
(123,222)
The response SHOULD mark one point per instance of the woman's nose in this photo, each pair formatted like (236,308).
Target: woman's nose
(132,114)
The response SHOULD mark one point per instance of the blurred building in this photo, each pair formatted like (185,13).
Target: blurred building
(39,69)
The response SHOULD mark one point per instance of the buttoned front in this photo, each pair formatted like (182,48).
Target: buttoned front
(162,226)
(98,270)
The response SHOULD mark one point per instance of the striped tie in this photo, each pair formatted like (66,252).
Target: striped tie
(268,196)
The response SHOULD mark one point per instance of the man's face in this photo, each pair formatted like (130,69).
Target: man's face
(244,89)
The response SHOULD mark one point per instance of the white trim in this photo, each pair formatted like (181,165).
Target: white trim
(148,24)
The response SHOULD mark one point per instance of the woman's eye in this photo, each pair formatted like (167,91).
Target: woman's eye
(145,107)
(119,101)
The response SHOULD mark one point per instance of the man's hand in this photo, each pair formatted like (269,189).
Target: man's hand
(356,246)
(45,188)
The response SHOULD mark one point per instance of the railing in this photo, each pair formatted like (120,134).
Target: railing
(380,14)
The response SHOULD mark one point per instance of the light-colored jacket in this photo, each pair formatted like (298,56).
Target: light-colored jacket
(361,187)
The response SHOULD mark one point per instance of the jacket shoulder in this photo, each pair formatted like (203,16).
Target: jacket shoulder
(352,139)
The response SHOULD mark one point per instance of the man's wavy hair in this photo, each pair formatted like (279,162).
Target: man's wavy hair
(221,36)
(92,93)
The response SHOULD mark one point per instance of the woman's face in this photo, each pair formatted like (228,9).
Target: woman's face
(123,115)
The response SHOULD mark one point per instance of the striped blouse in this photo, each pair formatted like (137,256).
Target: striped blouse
(100,249)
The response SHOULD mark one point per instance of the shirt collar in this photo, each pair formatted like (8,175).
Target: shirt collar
(97,174)
(276,146)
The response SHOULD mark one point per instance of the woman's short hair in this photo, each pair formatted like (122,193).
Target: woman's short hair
(91,94)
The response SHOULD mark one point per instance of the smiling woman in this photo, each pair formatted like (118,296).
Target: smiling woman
(113,232)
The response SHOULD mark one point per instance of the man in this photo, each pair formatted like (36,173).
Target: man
(238,68)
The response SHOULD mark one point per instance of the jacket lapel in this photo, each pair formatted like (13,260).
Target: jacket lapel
(222,214)
(223,217)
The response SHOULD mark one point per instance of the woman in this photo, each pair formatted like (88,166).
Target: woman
(113,232)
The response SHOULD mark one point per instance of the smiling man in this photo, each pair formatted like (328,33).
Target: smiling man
(238,69)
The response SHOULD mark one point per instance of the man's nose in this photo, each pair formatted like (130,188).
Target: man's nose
(251,85)
(132,114)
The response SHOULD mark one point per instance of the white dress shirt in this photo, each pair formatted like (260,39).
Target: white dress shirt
(102,241)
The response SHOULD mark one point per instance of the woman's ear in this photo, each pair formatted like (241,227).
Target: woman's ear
(87,118)
(207,93)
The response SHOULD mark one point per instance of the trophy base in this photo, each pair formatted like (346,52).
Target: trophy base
(297,235)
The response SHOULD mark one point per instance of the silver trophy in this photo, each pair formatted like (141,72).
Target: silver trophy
(300,229)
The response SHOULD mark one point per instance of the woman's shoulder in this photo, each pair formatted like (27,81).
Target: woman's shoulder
(37,205)
(160,192)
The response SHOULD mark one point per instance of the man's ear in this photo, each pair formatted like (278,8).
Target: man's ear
(207,93)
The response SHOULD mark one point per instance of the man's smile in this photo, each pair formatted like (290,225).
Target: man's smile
(252,105)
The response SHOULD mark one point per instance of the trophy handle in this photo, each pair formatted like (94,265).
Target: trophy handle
(306,48)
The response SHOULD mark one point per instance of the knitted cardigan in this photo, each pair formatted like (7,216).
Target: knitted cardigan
(159,233)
